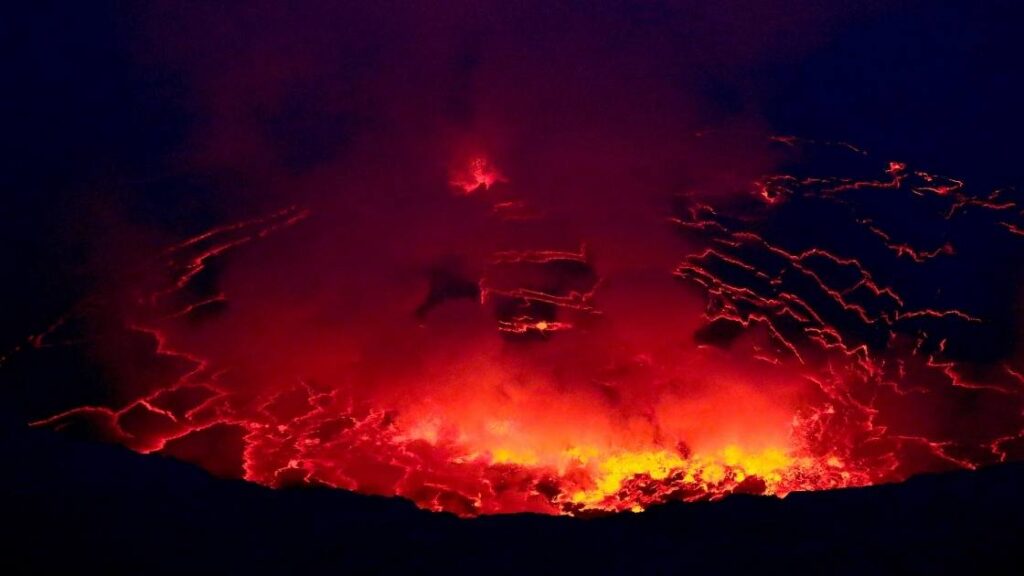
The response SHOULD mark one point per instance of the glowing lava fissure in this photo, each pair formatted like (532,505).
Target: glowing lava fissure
(809,369)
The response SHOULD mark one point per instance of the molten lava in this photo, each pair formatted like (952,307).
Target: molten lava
(479,174)
(527,378)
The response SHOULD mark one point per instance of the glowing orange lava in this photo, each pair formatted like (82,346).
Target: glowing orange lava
(528,379)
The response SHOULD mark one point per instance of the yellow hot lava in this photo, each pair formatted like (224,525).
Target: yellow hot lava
(608,472)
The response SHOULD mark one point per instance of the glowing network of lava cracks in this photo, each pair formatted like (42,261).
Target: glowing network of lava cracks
(879,393)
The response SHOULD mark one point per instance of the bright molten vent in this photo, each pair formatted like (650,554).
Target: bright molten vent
(497,349)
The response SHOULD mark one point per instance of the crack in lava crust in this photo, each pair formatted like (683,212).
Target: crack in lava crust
(811,368)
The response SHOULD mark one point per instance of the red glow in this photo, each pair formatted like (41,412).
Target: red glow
(478,174)
(533,382)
